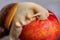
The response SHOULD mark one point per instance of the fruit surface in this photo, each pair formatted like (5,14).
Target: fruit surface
(41,29)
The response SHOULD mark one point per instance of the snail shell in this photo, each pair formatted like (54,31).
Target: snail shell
(6,16)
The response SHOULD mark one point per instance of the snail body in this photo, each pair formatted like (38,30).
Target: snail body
(21,14)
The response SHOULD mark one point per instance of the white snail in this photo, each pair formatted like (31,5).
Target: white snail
(22,14)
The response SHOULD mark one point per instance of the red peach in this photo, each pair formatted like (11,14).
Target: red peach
(41,29)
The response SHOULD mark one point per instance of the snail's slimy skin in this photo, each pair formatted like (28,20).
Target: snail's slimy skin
(24,15)
(26,9)
(15,30)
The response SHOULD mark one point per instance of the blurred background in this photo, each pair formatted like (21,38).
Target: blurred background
(53,5)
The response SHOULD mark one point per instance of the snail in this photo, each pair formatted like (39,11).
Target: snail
(15,15)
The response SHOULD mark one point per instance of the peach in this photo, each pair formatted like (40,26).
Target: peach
(41,29)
